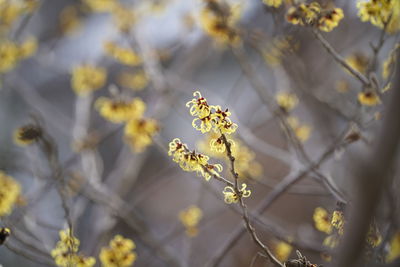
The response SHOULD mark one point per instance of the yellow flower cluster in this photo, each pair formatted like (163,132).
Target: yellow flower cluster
(124,18)
(245,160)
(394,250)
(191,161)
(273,3)
(11,11)
(210,117)
(333,225)
(11,53)
(123,55)
(368,98)
(302,132)
(69,20)
(27,135)
(10,190)
(120,110)
(273,52)
(218,19)
(119,253)
(286,101)
(87,78)
(381,12)
(138,131)
(282,250)
(65,252)
(100,5)
(313,15)
(358,61)
(190,218)
(136,81)
(231,196)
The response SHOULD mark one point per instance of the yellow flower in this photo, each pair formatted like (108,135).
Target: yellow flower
(358,61)
(322,220)
(380,12)
(304,14)
(330,19)
(274,3)
(10,190)
(100,5)
(9,13)
(69,20)
(394,250)
(302,132)
(27,135)
(4,234)
(218,20)
(282,251)
(138,133)
(87,78)
(274,51)
(119,253)
(331,241)
(368,98)
(136,81)
(191,161)
(65,252)
(222,122)
(190,218)
(9,55)
(338,221)
(286,101)
(124,18)
(28,48)
(390,62)
(122,55)
(230,196)
(217,144)
(374,238)
(199,106)
(118,110)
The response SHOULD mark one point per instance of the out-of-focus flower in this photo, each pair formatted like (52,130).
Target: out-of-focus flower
(273,3)
(87,78)
(120,110)
(119,253)
(282,251)
(374,238)
(381,13)
(69,20)
(123,55)
(136,81)
(10,190)
(190,218)
(138,133)
(322,220)
(368,98)
(27,134)
(302,132)
(358,61)
(286,101)
(394,249)
(101,5)
(124,18)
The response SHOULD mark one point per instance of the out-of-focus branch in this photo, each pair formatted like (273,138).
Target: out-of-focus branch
(364,80)
(371,177)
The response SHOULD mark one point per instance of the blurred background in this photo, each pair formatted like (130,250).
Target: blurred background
(112,188)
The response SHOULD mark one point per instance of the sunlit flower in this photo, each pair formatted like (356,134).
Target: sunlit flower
(119,110)
(119,253)
(368,98)
(10,190)
(322,220)
(230,195)
(304,14)
(337,221)
(190,218)
(87,78)
(380,12)
(198,106)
